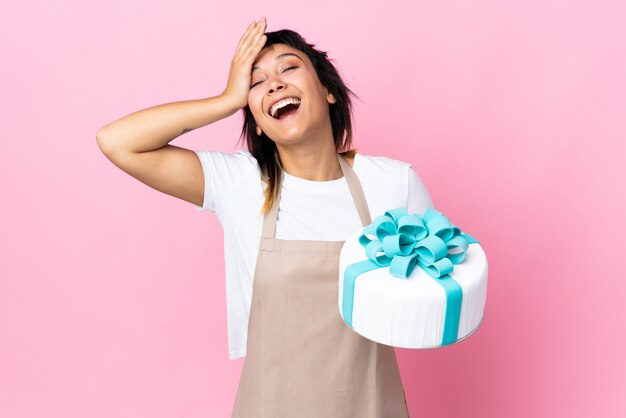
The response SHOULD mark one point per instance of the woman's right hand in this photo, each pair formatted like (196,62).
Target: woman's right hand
(239,77)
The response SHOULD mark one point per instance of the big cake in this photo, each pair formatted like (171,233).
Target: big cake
(412,280)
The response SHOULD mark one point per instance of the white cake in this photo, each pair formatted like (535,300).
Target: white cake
(410,312)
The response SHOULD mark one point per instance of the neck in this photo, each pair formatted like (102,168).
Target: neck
(311,160)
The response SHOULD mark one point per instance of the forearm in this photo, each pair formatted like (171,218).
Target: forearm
(155,127)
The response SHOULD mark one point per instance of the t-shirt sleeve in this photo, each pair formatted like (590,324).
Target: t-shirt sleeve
(221,172)
(418,198)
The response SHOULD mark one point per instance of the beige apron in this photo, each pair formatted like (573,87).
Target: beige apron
(302,360)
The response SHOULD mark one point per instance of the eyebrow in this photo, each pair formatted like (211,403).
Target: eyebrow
(281,56)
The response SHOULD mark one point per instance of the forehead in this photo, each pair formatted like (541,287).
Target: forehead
(276,53)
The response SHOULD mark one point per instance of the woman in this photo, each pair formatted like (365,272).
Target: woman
(282,265)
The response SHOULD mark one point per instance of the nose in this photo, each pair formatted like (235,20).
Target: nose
(275,85)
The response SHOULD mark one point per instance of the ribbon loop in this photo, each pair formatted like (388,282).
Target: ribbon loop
(429,238)
(413,225)
(402,241)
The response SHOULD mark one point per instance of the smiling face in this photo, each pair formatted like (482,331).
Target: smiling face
(281,71)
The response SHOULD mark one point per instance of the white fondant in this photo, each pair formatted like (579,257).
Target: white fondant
(409,313)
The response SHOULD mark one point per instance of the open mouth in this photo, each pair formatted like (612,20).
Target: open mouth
(286,111)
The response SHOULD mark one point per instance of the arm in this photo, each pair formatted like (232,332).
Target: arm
(153,128)
(139,142)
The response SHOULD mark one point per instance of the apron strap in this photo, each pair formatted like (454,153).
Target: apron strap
(357,191)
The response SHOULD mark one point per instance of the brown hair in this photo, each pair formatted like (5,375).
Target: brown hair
(264,149)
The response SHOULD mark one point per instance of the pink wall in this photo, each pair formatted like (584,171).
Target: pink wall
(112,294)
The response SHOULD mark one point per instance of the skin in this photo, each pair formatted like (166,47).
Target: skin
(139,143)
(305,142)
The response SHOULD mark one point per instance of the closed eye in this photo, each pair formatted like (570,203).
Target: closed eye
(288,68)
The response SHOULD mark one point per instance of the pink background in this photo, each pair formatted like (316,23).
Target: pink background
(112,296)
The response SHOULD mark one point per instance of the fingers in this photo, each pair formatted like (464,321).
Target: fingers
(252,37)
(256,43)
(245,35)
(249,32)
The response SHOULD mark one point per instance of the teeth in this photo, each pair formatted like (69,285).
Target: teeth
(283,103)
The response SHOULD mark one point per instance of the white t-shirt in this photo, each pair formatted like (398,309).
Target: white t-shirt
(308,210)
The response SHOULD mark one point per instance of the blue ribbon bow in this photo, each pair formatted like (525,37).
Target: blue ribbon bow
(402,241)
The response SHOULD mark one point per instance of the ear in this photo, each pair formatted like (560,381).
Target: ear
(258,131)
(330,98)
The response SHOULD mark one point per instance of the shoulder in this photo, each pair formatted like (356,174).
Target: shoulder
(382,172)
(239,161)
(228,168)
(239,156)
(385,181)
(381,165)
